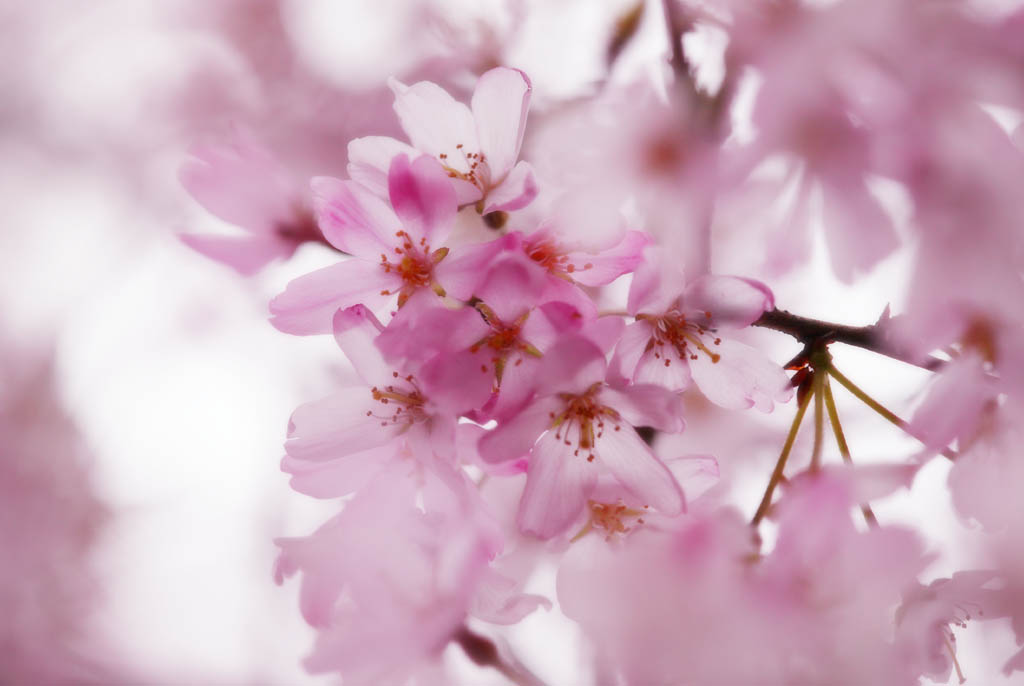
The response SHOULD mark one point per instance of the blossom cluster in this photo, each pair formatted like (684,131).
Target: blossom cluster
(528,335)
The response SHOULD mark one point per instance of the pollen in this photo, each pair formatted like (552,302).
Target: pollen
(689,339)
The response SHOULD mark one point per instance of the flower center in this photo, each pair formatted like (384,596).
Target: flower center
(585,415)
(549,255)
(401,404)
(504,340)
(685,336)
(414,264)
(477,171)
(613,519)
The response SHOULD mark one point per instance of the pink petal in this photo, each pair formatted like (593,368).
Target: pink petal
(423,198)
(332,478)
(457,383)
(309,302)
(369,159)
(657,285)
(335,426)
(500,105)
(353,219)
(663,366)
(572,365)
(954,403)
(858,230)
(629,350)
(557,486)
(514,438)
(498,600)
(435,122)
(516,190)
(355,331)
(647,405)
(630,461)
(246,254)
(696,473)
(604,267)
(239,182)
(732,301)
(511,288)
(743,377)
(461,272)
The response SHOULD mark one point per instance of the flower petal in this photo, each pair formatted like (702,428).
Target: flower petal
(732,301)
(500,105)
(435,122)
(743,377)
(369,159)
(630,461)
(602,268)
(309,302)
(353,219)
(514,438)
(516,190)
(356,330)
(245,254)
(557,486)
(572,365)
(423,198)
(647,405)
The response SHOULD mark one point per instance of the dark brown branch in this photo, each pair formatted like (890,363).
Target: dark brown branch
(815,331)
(482,651)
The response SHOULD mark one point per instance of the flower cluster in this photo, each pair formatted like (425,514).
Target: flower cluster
(531,338)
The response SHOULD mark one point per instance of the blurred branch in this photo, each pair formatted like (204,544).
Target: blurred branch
(482,651)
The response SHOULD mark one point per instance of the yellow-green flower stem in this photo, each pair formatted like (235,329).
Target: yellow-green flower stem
(879,408)
(780,466)
(844,448)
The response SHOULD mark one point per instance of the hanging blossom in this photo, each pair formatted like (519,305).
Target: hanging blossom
(478,145)
(337,444)
(683,334)
(240,182)
(577,427)
(388,584)
(396,250)
(512,323)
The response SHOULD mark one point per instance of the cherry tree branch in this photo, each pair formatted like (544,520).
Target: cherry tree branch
(809,331)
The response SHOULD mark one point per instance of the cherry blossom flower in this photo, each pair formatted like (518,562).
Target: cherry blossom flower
(388,585)
(578,427)
(396,252)
(337,444)
(240,182)
(478,145)
(507,330)
(682,335)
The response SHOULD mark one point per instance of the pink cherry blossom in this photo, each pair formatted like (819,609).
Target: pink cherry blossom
(396,252)
(477,146)
(336,444)
(240,182)
(388,585)
(682,335)
(579,427)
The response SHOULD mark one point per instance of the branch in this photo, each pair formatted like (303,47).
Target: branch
(810,331)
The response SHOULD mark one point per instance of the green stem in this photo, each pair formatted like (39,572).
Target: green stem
(780,466)
(819,417)
(844,448)
(881,409)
